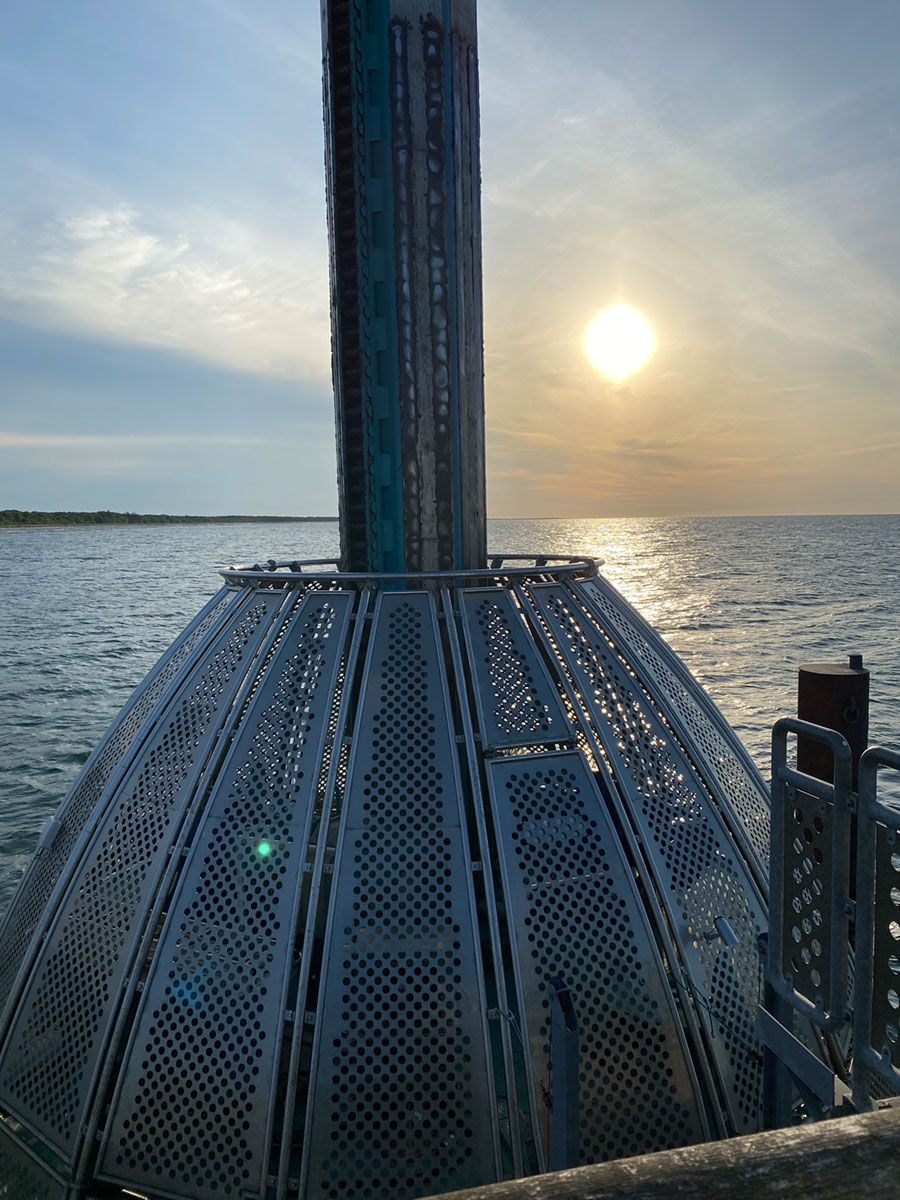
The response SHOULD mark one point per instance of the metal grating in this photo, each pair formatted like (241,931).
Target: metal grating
(575,912)
(81,805)
(876,1001)
(400,1102)
(806,941)
(214,1010)
(23,1177)
(518,704)
(738,784)
(170,1002)
(56,1040)
(885,999)
(701,879)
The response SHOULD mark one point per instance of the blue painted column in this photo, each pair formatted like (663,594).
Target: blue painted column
(403,182)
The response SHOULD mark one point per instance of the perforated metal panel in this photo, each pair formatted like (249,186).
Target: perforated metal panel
(806,949)
(576,914)
(517,703)
(81,805)
(182,935)
(401,1100)
(884,1007)
(24,1177)
(57,1037)
(736,782)
(214,1011)
(688,851)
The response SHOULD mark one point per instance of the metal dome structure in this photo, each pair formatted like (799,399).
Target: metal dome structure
(424,872)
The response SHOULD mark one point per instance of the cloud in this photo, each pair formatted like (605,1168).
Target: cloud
(113,456)
(86,441)
(198,284)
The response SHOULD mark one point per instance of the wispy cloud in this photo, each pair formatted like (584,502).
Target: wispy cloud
(198,284)
(79,441)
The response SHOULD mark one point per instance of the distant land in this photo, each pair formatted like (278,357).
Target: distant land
(15,517)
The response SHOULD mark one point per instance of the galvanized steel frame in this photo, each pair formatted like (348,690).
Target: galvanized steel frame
(316,897)
(785,782)
(239,746)
(357,751)
(474,769)
(877,821)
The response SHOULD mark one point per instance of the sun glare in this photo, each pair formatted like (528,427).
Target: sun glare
(619,341)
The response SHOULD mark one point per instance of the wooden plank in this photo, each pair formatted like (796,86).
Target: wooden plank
(847,1157)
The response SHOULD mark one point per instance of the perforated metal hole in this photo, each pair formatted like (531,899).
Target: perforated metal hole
(30,903)
(46,1070)
(577,916)
(692,855)
(400,1107)
(645,646)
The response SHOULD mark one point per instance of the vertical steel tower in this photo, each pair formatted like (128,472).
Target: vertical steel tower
(403,180)
(422,872)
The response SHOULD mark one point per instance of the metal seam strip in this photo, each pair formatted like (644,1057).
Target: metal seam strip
(444,684)
(314,895)
(472,757)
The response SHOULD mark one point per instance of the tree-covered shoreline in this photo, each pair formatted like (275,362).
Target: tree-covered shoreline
(16,518)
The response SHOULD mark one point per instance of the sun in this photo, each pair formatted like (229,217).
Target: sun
(619,341)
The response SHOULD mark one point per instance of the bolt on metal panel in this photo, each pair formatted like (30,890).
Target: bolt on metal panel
(56,1041)
(401,1100)
(691,854)
(575,912)
(191,1116)
(738,783)
(517,702)
(80,806)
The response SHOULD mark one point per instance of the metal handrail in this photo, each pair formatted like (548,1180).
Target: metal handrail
(289,571)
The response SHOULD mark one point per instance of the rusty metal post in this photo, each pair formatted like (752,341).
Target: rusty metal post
(837,697)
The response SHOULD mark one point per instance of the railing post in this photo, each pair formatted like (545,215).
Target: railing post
(837,697)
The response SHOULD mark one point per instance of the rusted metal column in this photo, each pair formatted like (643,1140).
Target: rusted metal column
(403,183)
(837,697)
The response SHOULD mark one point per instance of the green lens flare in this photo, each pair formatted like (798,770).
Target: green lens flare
(264,849)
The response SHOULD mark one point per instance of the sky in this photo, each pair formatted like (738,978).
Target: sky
(730,170)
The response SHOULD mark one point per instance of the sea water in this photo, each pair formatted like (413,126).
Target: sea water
(85,612)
